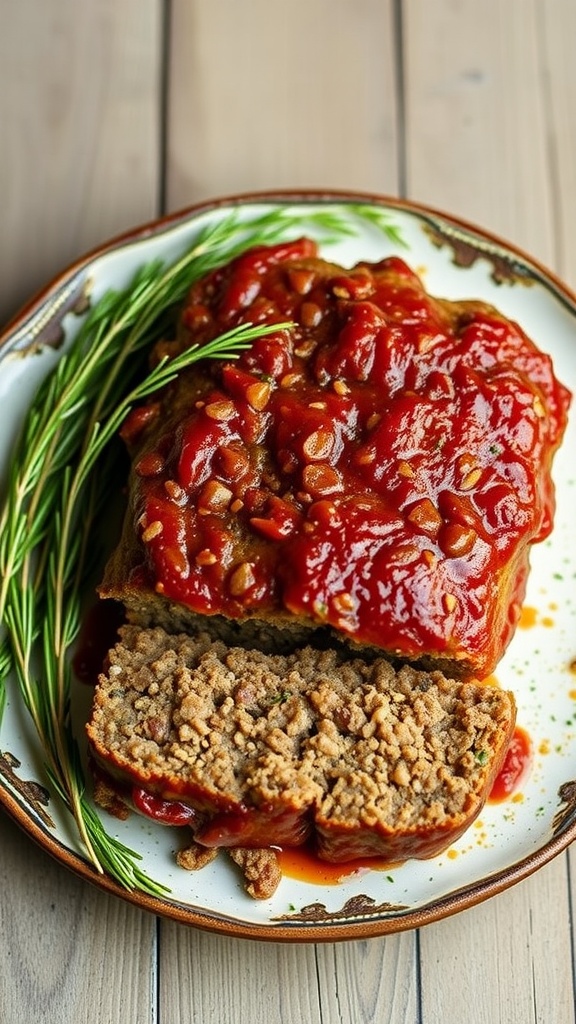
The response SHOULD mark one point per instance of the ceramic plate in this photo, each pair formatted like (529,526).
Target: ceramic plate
(511,839)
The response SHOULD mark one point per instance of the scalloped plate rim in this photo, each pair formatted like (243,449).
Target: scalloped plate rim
(299,931)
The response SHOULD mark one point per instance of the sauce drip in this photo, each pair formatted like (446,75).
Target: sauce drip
(378,468)
(515,768)
(302,864)
(97,636)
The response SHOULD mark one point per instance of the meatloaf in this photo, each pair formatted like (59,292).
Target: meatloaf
(326,542)
(378,471)
(360,758)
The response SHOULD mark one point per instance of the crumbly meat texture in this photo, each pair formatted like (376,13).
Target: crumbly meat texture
(378,472)
(270,750)
(261,870)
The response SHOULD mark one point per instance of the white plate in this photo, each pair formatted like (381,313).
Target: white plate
(511,839)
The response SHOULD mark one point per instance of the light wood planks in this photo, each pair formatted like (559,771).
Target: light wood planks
(235,981)
(280,95)
(557,30)
(375,980)
(70,953)
(476,128)
(509,959)
(350,983)
(265,95)
(79,161)
(80,132)
(485,102)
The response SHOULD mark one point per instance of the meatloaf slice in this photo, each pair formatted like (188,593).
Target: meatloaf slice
(274,749)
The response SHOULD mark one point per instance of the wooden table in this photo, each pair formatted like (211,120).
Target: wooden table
(115,111)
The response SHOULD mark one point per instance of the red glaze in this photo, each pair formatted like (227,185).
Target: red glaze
(515,767)
(381,468)
(168,812)
(255,827)
(339,845)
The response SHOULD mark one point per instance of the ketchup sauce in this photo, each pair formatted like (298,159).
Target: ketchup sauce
(302,863)
(167,812)
(376,468)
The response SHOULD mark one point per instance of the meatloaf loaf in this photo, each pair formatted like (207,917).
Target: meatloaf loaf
(379,470)
(269,750)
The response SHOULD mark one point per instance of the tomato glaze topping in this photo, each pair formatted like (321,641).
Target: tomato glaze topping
(381,467)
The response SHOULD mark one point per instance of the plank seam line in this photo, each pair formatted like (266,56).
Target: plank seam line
(318,986)
(551,147)
(164,104)
(398,33)
(155,1015)
(571,918)
(418,977)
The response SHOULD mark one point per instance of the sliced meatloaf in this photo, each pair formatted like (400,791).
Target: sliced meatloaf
(267,750)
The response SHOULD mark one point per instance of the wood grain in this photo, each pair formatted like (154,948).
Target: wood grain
(80,117)
(277,96)
(514,937)
(479,97)
(80,161)
(236,981)
(264,95)
(377,980)
(556,24)
(476,120)
(70,953)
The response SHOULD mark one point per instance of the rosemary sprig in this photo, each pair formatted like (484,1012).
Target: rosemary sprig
(5,666)
(57,480)
(45,607)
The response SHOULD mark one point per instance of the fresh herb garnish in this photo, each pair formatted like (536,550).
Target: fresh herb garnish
(280,698)
(58,482)
(44,580)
